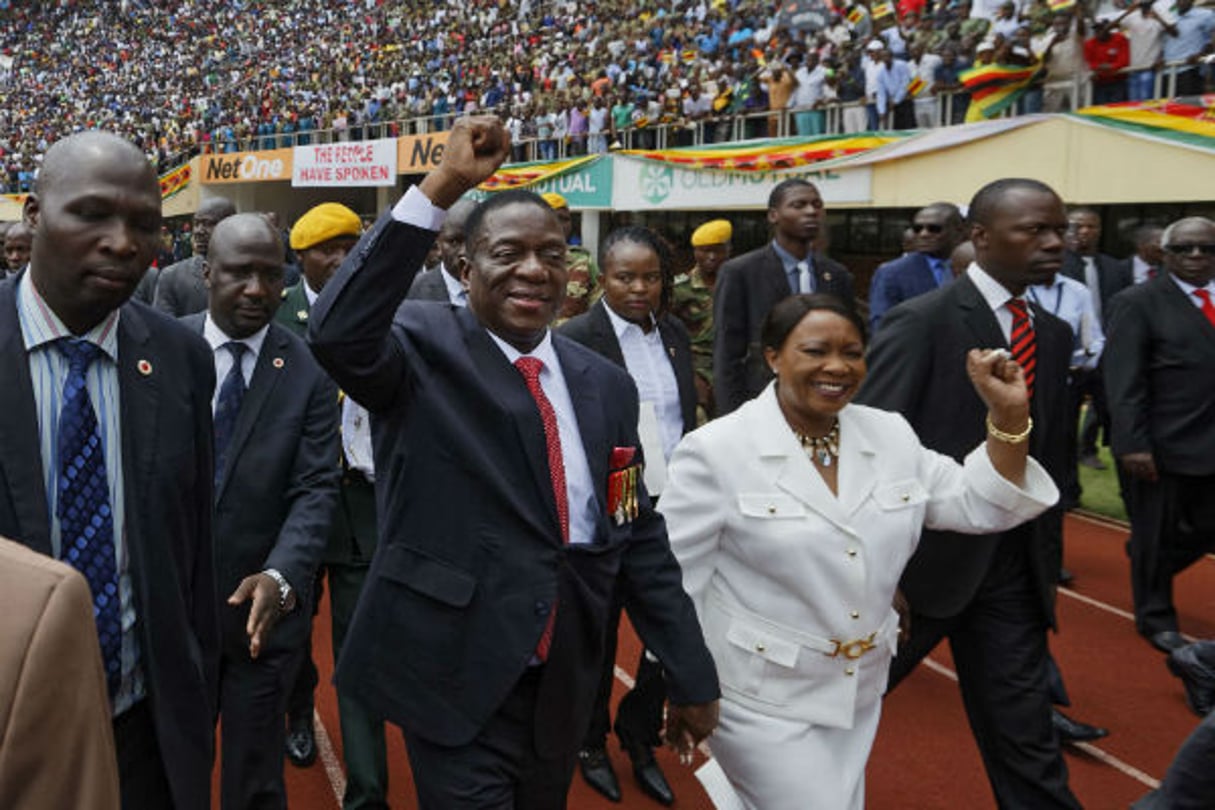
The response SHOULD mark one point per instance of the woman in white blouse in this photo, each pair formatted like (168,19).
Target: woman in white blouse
(793,518)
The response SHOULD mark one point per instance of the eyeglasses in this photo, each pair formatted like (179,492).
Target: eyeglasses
(1185,249)
(918,227)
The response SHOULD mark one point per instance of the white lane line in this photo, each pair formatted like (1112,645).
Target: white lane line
(1097,603)
(329,758)
(1093,751)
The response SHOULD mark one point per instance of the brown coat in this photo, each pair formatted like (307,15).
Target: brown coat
(56,737)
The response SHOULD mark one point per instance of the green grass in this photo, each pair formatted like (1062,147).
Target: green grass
(1100,489)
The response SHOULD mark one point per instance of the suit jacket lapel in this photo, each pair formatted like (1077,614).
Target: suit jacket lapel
(681,362)
(266,374)
(977,315)
(139,385)
(605,335)
(858,457)
(775,275)
(503,383)
(20,451)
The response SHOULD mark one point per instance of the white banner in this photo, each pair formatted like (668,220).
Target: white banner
(350,163)
(639,184)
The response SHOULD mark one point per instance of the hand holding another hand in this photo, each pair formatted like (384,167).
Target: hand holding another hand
(688,725)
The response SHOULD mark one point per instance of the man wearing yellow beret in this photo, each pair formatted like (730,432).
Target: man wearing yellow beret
(582,287)
(321,238)
(692,303)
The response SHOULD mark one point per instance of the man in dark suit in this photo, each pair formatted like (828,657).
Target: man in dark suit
(1160,377)
(276,423)
(630,326)
(750,284)
(180,289)
(508,499)
(936,231)
(323,236)
(1104,276)
(993,597)
(445,282)
(67,329)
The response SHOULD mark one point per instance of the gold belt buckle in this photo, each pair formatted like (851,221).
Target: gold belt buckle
(854,649)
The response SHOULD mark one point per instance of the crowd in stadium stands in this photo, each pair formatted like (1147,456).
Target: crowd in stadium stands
(184,76)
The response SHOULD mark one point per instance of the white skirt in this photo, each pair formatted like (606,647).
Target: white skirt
(778,764)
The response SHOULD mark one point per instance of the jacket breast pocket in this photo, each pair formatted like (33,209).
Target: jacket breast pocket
(905,494)
(770,506)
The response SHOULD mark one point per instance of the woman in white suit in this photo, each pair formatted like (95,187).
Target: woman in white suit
(793,518)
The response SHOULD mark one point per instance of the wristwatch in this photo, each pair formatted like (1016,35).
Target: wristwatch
(286,594)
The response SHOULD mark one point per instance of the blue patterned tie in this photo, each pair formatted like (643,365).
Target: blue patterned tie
(86,524)
(227,407)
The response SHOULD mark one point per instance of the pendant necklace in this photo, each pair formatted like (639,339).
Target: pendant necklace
(823,449)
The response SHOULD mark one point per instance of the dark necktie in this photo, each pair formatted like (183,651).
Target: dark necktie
(86,522)
(530,368)
(1208,308)
(227,407)
(1024,343)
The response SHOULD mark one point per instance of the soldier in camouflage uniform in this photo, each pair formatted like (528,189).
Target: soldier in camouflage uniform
(582,288)
(692,303)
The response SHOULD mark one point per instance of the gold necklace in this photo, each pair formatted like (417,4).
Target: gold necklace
(823,449)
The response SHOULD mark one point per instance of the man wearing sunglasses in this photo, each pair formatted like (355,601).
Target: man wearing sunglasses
(1160,380)
(935,232)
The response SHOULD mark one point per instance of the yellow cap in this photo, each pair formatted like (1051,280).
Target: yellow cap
(324,222)
(714,232)
(554,200)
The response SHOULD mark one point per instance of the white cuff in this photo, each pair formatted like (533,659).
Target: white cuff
(416,209)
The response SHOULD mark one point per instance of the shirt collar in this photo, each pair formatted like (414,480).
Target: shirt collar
(994,293)
(455,288)
(620,325)
(217,337)
(544,351)
(40,325)
(789,260)
(309,293)
(1188,288)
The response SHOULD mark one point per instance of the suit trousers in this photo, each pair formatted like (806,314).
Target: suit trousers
(300,698)
(1189,783)
(639,715)
(141,772)
(500,769)
(252,700)
(1172,526)
(363,747)
(999,648)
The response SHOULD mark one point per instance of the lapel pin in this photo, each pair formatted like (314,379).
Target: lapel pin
(145,368)
(302,315)
(278,362)
(826,276)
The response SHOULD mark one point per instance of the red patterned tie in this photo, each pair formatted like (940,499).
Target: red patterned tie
(530,368)
(1208,308)
(1024,344)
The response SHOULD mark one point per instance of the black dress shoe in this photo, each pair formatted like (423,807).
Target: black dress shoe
(1072,731)
(1197,678)
(597,771)
(649,776)
(301,742)
(1167,640)
(1066,577)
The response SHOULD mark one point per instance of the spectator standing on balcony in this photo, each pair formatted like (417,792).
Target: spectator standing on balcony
(1061,50)
(893,80)
(946,81)
(924,67)
(808,94)
(1144,27)
(1005,21)
(780,85)
(1107,53)
(577,128)
(850,90)
(1187,39)
(597,127)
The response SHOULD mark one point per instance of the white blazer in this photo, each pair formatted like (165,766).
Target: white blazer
(780,568)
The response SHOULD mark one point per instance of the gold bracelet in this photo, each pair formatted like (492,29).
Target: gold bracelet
(1009,438)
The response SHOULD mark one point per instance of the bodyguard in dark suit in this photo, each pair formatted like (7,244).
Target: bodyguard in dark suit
(1160,377)
(1105,277)
(992,596)
(506,476)
(323,236)
(630,326)
(276,477)
(67,328)
(180,289)
(444,283)
(748,286)
(937,230)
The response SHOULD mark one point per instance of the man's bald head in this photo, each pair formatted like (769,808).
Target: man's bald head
(244,274)
(210,213)
(63,161)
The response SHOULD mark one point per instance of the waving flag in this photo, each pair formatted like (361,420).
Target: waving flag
(995,88)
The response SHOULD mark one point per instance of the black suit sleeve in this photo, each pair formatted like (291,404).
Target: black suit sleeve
(1125,366)
(896,376)
(730,319)
(350,325)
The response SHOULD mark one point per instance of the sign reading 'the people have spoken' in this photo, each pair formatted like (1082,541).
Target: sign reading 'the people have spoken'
(354,163)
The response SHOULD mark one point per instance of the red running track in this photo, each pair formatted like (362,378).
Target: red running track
(924,758)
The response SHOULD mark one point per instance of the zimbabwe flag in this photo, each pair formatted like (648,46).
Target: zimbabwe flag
(882,10)
(855,15)
(1060,5)
(995,88)
(916,86)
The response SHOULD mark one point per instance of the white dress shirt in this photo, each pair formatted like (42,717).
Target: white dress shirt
(997,297)
(1069,300)
(645,358)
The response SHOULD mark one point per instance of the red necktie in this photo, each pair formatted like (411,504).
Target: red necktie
(1024,344)
(1208,308)
(530,368)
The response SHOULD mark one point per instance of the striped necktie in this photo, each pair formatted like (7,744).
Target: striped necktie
(1024,342)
